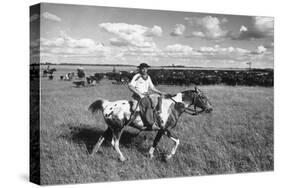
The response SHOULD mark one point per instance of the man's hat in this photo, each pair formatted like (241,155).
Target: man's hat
(142,65)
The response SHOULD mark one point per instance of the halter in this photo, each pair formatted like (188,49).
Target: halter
(189,110)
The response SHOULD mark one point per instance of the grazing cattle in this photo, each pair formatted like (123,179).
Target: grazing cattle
(119,114)
(91,80)
(80,73)
(49,71)
(99,76)
(122,81)
(79,83)
(69,76)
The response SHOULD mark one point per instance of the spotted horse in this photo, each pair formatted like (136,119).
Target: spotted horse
(119,114)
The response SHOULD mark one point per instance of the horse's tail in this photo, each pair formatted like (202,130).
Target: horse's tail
(96,106)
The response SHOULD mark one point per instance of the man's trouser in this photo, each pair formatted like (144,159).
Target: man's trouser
(146,109)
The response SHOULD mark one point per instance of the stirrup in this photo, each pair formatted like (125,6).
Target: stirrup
(153,127)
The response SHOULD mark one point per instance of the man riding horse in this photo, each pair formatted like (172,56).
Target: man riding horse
(122,113)
(80,72)
(48,71)
(140,85)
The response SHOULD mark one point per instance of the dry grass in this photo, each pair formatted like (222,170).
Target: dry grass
(236,137)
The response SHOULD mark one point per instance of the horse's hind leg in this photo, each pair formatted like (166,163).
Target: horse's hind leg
(176,141)
(101,139)
(116,138)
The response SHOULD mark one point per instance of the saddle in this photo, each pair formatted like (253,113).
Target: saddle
(153,102)
(156,103)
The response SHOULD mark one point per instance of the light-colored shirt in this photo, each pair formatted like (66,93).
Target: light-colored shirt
(140,84)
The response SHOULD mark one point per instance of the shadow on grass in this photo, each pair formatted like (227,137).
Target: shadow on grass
(88,135)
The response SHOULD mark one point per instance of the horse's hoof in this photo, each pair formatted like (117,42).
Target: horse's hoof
(168,157)
(122,159)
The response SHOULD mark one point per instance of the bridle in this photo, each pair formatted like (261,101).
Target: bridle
(188,109)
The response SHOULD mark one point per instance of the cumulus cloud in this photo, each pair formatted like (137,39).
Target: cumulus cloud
(259,50)
(224,20)
(45,15)
(269,45)
(141,52)
(66,41)
(118,42)
(198,34)
(178,30)
(50,16)
(223,53)
(209,27)
(155,31)
(33,17)
(133,35)
(236,55)
(220,50)
(185,53)
(243,29)
(65,44)
(179,50)
(262,27)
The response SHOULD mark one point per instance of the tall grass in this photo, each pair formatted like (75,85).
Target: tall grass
(236,137)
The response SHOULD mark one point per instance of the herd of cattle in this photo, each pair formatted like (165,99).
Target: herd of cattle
(252,77)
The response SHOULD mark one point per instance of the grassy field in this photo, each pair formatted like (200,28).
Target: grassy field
(236,137)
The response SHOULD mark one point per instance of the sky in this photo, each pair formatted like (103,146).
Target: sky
(97,35)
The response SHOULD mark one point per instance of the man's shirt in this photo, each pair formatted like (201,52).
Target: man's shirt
(141,84)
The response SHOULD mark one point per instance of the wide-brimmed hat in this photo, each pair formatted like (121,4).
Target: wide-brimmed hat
(143,65)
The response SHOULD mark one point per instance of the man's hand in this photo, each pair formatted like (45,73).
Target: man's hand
(163,94)
(141,96)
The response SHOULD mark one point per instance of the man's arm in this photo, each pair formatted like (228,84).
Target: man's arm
(132,87)
(157,91)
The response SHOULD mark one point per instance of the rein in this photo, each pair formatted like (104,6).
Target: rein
(188,110)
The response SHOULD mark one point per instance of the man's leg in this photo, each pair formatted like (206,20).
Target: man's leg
(134,106)
(158,112)
(147,113)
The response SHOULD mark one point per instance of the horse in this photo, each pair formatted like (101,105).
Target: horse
(49,71)
(92,80)
(119,114)
(69,76)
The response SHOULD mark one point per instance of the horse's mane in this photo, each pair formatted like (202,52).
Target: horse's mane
(173,95)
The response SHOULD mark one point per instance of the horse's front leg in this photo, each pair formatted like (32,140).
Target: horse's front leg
(176,144)
(155,142)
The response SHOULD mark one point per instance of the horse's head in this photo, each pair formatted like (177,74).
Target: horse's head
(196,98)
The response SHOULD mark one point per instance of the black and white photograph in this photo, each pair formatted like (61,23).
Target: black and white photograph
(120,94)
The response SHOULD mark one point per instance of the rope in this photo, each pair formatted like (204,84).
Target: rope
(132,114)
(193,112)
